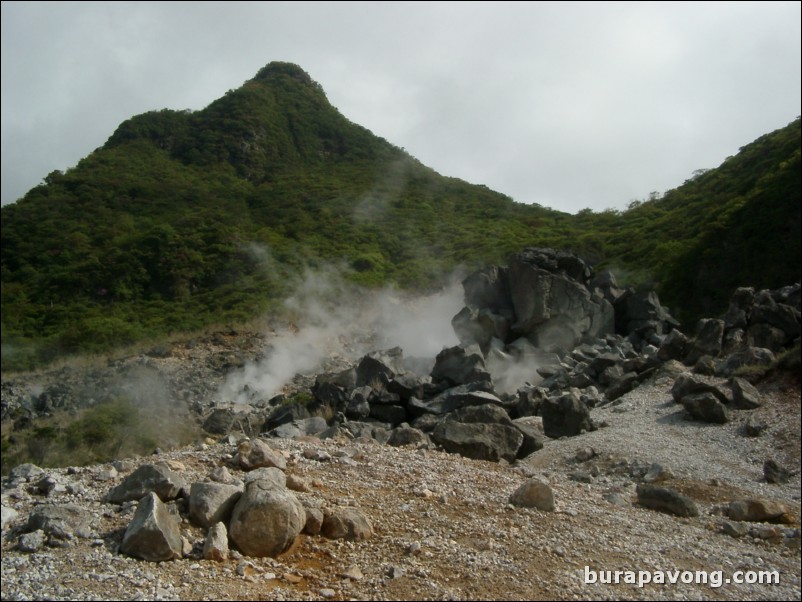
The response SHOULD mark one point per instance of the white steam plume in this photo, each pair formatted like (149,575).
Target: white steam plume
(331,318)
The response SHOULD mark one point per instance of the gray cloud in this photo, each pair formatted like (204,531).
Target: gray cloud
(566,104)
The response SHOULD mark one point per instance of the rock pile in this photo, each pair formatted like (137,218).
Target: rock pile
(573,339)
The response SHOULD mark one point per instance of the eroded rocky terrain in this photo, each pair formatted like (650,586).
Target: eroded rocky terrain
(630,447)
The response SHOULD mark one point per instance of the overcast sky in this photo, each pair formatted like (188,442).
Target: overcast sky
(569,105)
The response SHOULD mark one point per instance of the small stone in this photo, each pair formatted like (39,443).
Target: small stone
(734,529)
(106,474)
(216,545)
(296,483)
(657,474)
(349,523)
(314,521)
(414,548)
(766,532)
(353,573)
(292,578)
(580,476)
(321,455)
(9,515)
(245,569)
(534,493)
(31,542)
(774,473)
(327,593)
(617,499)
(754,427)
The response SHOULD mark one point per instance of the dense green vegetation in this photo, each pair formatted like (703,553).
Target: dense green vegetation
(186,219)
(115,429)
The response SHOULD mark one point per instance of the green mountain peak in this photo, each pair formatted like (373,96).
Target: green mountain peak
(184,219)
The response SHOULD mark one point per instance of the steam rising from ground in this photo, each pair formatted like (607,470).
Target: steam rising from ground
(334,319)
(510,374)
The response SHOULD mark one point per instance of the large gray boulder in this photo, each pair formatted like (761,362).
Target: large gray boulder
(491,442)
(391,414)
(533,437)
(157,478)
(357,407)
(489,289)
(553,306)
(210,503)
(257,454)
(299,428)
(565,416)
(153,534)
(705,407)
(481,326)
(223,421)
(266,519)
(460,365)
(708,341)
(61,521)
(688,384)
(744,395)
(377,368)
(640,312)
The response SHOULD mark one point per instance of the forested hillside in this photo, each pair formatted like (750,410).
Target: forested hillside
(184,219)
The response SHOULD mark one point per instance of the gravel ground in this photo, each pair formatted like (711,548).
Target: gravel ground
(444,528)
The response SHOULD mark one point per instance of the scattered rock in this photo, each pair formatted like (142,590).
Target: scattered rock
(565,416)
(774,473)
(406,435)
(353,573)
(347,523)
(754,427)
(296,483)
(705,407)
(491,442)
(257,454)
(534,493)
(734,529)
(9,516)
(215,547)
(266,519)
(744,395)
(62,521)
(157,478)
(617,499)
(211,503)
(657,473)
(759,510)
(665,499)
(314,521)
(153,533)
(31,542)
